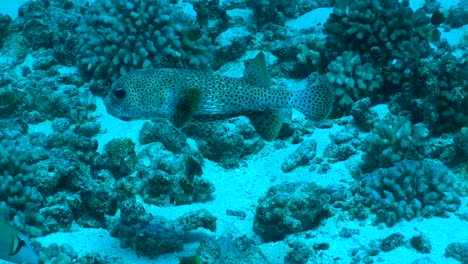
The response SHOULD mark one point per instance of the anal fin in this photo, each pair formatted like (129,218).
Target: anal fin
(267,123)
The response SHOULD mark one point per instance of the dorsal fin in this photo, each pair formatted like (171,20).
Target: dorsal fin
(185,106)
(267,123)
(255,71)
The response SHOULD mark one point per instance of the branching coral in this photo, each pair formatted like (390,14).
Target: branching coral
(422,82)
(393,139)
(17,190)
(411,189)
(117,36)
(353,79)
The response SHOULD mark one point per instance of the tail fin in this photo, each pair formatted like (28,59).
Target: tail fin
(316,100)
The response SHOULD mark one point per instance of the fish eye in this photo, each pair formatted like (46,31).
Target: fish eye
(119,93)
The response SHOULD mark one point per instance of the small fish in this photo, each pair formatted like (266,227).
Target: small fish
(185,95)
(14,246)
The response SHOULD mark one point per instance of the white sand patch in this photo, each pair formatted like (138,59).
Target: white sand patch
(91,241)
(43,127)
(454,35)
(113,127)
(310,20)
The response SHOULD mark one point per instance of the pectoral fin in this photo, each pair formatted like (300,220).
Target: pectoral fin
(185,106)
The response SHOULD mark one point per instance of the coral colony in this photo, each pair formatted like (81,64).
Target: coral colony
(233,131)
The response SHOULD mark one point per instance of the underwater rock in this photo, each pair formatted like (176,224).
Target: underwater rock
(442,149)
(47,24)
(343,145)
(321,246)
(38,34)
(362,115)
(139,230)
(349,232)
(55,253)
(168,179)
(226,143)
(5,20)
(392,242)
(9,100)
(160,188)
(87,129)
(44,61)
(165,132)
(158,238)
(342,153)
(97,258)
(237,213)
(69,140)
(290,208)
(272,11)
(424,261)
(421,243)
(458,251)
(152,235)
(197,219)
(298,54)
(229,250)
(59,125)
(212,15)
(461,141)
(232,43)
(458,15)
(57,218)
(100,198)
(302,156)
(300,253)
(12,129)
(285,48)
(122,156)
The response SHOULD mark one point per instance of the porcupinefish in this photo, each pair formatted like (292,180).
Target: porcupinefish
(14,246)
(182,95)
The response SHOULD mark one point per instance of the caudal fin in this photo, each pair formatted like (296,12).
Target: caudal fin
(316,100)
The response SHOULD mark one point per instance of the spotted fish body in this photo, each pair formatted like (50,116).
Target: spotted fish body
(184,95)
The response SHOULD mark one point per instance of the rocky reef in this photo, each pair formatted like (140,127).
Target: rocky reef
(393,152)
